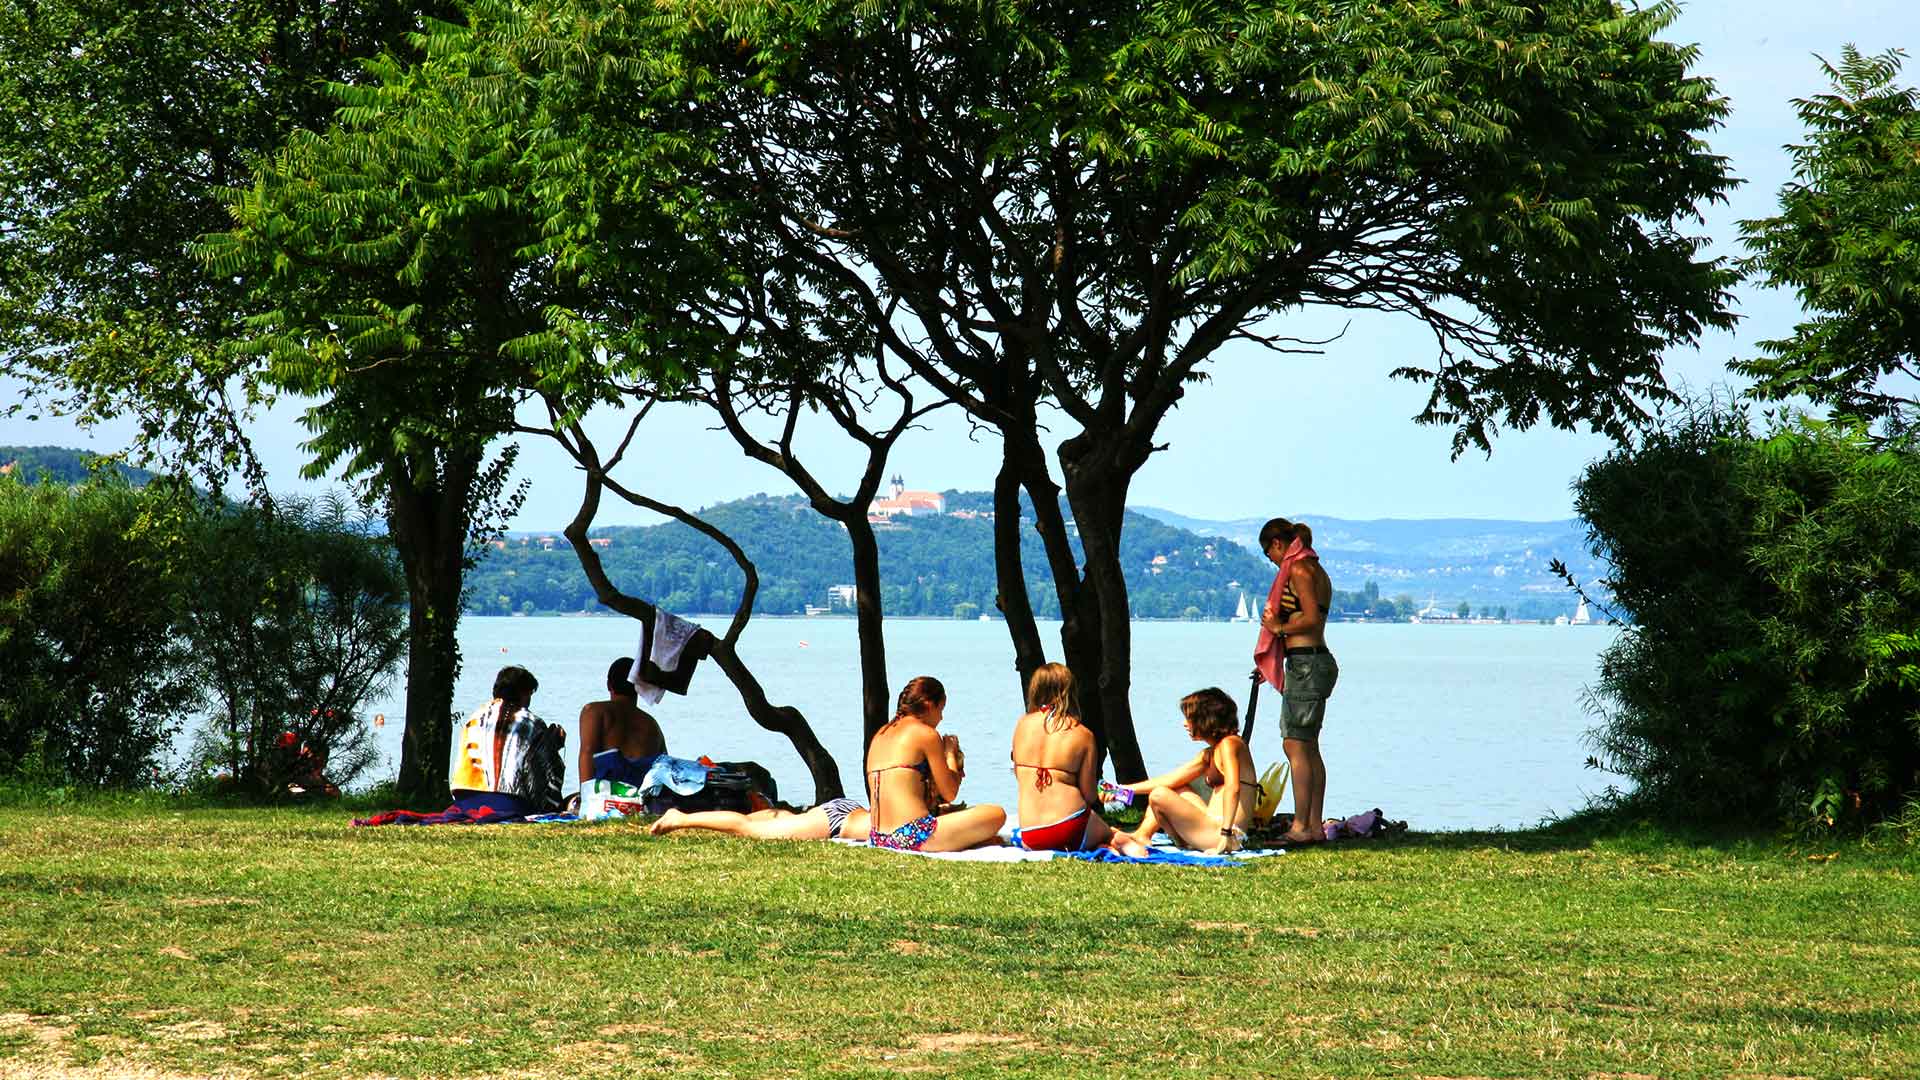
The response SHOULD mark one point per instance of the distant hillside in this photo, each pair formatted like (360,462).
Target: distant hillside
(943,565)
(58,463)
(930,565)
(1487,563)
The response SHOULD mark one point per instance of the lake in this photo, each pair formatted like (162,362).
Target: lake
(1448,727)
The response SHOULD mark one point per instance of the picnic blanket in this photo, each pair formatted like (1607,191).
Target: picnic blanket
(1160,854)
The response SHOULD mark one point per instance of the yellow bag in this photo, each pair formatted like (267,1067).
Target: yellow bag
(1273,784)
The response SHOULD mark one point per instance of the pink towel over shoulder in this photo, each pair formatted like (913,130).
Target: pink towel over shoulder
(1270,649)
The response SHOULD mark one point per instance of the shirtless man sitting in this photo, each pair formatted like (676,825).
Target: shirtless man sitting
(618,740)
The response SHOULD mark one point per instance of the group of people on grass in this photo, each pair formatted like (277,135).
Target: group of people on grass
(914,772)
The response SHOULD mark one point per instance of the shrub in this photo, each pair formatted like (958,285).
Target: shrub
(1772,668)
(91,589)
(126,613)
(305,620)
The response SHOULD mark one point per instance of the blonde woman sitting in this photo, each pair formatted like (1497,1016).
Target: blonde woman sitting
(1056,768)
(1216,822)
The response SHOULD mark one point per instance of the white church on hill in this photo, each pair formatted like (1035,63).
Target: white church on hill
(907,503)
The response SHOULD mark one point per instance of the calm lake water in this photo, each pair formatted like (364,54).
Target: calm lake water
(1449,727)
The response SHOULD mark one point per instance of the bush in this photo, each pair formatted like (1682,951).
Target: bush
(91,591)
(306,620)
(126,613)
(1772,669)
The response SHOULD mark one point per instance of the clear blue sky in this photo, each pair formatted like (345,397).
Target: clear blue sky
(1349,449)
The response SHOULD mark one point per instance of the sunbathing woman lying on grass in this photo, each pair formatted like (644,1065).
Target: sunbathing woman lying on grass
(1215,824)
(911,768)
(828,821)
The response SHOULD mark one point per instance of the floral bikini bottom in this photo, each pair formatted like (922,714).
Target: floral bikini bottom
(909,837)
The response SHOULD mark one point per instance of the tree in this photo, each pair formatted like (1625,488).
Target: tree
(431,263)
(304,621)
(123,130)
(1772,665)
(1465,610)
(1081,206)
(92,583)
(1847,241)
(120,127)
(387,254)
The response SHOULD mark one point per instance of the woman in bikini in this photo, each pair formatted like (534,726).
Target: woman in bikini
(910,768)
(828,821)
(1216,823)
(1055,766)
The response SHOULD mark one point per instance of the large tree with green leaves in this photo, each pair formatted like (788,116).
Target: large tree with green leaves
(1057,205)
(460,242)
(120,125)
(1847,242)
(386,253)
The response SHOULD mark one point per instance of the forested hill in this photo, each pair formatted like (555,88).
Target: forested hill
(930,565)
(942,565)
(58,463)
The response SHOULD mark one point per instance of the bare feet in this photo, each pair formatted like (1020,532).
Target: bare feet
(1298,837)
(668,822)
(1129,845)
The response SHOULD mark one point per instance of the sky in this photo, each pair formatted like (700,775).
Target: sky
(1324,435)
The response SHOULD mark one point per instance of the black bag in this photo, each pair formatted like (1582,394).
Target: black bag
(724,791)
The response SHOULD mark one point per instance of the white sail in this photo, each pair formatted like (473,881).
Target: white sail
(1240,613)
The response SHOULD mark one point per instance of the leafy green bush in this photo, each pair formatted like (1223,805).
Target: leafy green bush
(128,613)
(1772,669)
(305,620)
(92,583)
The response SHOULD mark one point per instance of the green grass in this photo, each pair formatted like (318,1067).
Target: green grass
(152,941)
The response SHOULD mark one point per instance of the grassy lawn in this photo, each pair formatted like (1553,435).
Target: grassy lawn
(155,942)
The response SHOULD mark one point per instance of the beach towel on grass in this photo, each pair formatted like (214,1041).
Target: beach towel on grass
(1162,856)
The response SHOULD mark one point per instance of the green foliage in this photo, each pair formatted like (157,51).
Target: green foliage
(305,620)
(120,127)
(93,581)
(1773,667)
(127,613)
(1103,196)
(1847,241)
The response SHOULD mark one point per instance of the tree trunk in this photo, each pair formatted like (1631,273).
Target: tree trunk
(426,516)
(780,719)
(1096,483)
(1011,576)
(873,646)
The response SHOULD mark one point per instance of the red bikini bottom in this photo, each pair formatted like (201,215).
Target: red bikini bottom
(1067,834)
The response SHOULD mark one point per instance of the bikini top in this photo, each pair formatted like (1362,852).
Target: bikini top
(925,770)
(1043,774)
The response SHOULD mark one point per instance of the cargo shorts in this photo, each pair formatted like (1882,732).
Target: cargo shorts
(1303,704)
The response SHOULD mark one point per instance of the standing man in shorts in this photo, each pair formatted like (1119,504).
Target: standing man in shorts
(1296,617)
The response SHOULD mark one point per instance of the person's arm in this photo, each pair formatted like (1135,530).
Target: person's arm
(591,725)
(946,779)
(1088,769)
(1178,778)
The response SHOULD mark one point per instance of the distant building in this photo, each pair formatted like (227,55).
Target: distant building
(840,596)
(907,503)
(601,542)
